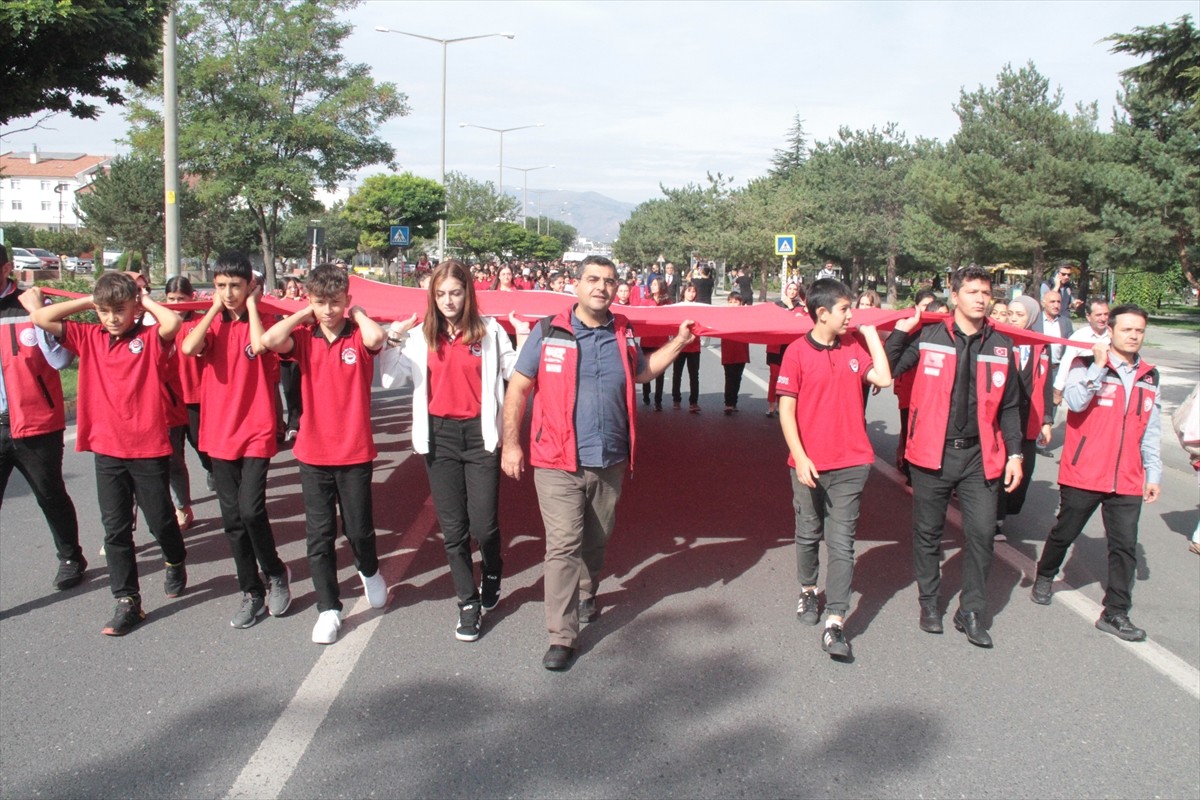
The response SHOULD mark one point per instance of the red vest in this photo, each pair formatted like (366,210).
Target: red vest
(1040,356)
(552,442)
(933,385)
(33,387)
(1102,451)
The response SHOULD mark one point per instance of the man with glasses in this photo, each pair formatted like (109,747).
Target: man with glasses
(1095,331)
(1061,282)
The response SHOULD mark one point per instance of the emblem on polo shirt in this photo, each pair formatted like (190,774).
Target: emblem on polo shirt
(998,379)
(28,337)
(349,357)
(476,350)
(854,365)
(136,346)
(249,351)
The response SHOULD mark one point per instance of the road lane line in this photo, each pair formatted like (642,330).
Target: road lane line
(1162,660)
(279,753)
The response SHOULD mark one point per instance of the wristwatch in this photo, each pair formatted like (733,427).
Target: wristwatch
(1017,456)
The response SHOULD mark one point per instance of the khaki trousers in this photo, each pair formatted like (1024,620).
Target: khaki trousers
(579,512)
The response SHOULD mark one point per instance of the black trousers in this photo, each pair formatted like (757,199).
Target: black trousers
(326,491)
(733,382)
(658,383)
(1120,513)
(693,367)
(193,435)
(40,459)
(962,471)
(1012,502)
(242,493)
(289,382)
(118,481)
(464,480)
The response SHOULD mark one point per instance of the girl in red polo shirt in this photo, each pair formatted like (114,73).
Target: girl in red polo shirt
(658,297)
(792,300)
(690,356)
(458,363)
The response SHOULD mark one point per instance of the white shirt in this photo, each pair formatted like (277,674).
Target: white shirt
(1086,335)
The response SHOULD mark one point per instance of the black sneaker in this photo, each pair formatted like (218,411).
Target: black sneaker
(468,623)
(70,573)
(128,614)
(489,591)
(833,641)
(807,609)
(176,580)
(1120,626)
(1043,589)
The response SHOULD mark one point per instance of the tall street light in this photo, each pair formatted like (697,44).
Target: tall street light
(445,43)
(500,131)
(525,197)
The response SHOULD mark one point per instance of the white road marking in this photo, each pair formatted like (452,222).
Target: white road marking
(1171,666)
(276,759)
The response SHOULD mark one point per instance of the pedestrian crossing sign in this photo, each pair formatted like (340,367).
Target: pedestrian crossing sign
(785,244)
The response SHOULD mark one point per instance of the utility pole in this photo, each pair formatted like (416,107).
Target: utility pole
(170,146)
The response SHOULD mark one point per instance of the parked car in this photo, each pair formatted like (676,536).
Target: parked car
(79,265)
(23,259)
(49,260)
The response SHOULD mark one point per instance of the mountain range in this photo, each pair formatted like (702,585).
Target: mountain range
(594,215)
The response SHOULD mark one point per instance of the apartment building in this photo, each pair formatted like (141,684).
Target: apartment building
(39,188)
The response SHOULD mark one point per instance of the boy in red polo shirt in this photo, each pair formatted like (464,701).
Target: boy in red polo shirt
(734,358)
(237,431)
(821,413)
(335,447)
(124,425)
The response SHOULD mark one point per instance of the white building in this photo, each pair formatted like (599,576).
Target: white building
(39,188)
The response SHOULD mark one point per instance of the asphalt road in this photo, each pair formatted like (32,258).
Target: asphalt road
(695,681)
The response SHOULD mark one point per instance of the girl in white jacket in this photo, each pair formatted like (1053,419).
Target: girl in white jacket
(457,363)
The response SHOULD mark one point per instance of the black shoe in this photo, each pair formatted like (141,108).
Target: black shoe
(587,610)
(833,641)
(70,573)
(931,618)
(657,406)
(128,614)
(176,580)
(489,591)
(645,399)
(1043,588)
(558,657)
(807,609)
(970,624)
(468,623)
(1120,626)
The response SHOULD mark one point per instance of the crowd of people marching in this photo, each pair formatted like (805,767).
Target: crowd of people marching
(976,405)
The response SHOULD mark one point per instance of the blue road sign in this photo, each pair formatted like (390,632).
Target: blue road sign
(785,245)
(399,236)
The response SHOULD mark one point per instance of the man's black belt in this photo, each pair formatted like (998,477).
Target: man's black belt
(962,444)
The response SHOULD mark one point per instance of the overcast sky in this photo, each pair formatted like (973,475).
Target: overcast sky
(634,94)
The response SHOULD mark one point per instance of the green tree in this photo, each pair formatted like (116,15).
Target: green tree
(386,200)
(562,234)
(269,107)
(1154,206)
(1022,162)
(212,222)
(58,52)
(126,205)
(476,214)
(789,160)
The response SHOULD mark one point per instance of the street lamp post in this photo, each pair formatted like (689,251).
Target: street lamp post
(525,196)
(500,131)
(445,43)
(538,193)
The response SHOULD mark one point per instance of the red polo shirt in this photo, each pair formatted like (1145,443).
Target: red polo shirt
(827,384)
(190,369)
(237,393)
(121,409)
(335,393)
(456,379)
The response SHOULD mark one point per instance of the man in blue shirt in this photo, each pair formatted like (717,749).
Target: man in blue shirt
(584,363)
(31,419)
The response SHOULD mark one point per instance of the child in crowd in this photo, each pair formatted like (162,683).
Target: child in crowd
(734,358)
(820,411)
(123,424)
(335,448)
(179,290)
(237,431)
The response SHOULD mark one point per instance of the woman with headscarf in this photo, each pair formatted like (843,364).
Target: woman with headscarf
(1036,394)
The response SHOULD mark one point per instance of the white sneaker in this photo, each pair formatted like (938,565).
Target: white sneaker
(327,627)
(375,589)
